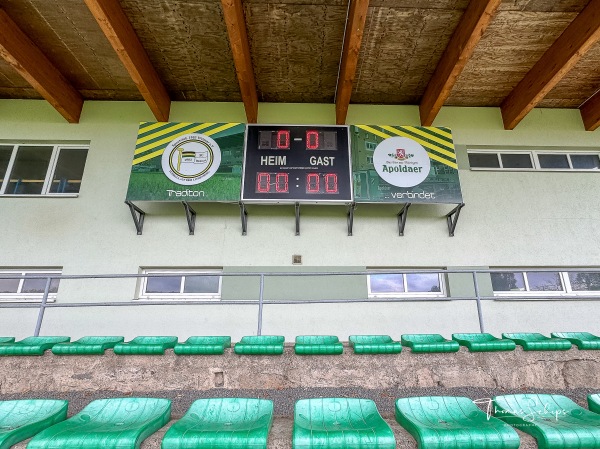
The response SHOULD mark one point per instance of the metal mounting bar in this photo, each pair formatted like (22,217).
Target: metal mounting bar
(452,222)
(138,220)
(190,214)
(297,218)
(402,219)
(350,220)
(244,217)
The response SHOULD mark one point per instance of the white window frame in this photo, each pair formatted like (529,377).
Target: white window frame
(56,148)
(181,296)
(566,292)
(27,297)
(533,154)
(406,294)
(370,146)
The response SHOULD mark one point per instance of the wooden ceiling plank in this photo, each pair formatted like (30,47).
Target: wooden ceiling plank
(123,38)
(590,113)
(355,27)
(31,63)
(467,35)
(233,13)
(562,55)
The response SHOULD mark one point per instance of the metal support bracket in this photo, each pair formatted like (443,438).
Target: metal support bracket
(244,217)
(138,216)
(452,221)
(402,219)
(297,218)
(190,214)
(350,220)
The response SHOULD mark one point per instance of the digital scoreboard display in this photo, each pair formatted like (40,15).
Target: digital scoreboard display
(284,163)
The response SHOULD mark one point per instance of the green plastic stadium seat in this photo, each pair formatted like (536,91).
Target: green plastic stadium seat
(583,340)
(4,340)
(453,422)
(227,423)
(538,342)
(22,419)
(484,342)
(203,345)
(340,423)
(86,346)
(555,421)
(121,423)
(145,346)
(260,345)
(318,345)
(374,344)
(428,343)
(31,345)
(594,402)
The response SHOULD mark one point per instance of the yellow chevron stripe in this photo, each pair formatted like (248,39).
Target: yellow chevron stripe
(420,132)
(171,128)
(147,156)
(374,131)
(170,138)
(422,142)
(435,157)
(220,128)
(151,127)
(442,132)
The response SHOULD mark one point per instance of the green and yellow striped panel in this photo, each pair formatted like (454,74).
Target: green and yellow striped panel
(436,141)
(153,137)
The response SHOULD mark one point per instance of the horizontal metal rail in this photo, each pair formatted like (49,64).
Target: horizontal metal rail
(261,301)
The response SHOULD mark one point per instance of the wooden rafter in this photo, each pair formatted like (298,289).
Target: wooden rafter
(562,55)
(590,113)
(355,26)
(467,35)
(121,35)
(233,12)
(31,63)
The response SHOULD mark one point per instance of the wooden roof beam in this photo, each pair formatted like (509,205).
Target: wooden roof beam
(233,12)
(467,35)
(355,27)
(562,55)
(590,113)
(121,35)
(27,59)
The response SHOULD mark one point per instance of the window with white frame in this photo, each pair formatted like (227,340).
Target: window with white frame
(545,283)
(547,160)
(41,169)
(27,284)
(192,284)
(409,284)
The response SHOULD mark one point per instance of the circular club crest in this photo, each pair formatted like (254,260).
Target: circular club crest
(191,159)
(401,161)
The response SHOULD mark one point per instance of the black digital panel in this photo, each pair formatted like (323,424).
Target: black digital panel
(297,163)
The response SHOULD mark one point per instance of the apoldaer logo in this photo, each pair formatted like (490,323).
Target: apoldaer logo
(401,161)
(191,159)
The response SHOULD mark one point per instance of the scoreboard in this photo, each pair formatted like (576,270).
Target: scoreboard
(284,163)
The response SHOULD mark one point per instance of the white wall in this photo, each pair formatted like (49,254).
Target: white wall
(520,219)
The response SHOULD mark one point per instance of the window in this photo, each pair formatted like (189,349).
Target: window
(181,284)
(370,146)
(13,288)
(533,160)
(369,159)
(41,169)
(545,283)
(407,284)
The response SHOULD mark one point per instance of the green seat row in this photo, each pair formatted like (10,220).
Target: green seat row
(332,423)
(305,344)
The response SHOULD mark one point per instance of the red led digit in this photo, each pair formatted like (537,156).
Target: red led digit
(312,183)
(331,183)
(281,183)
(263,182)
(312,140)
(283,139)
